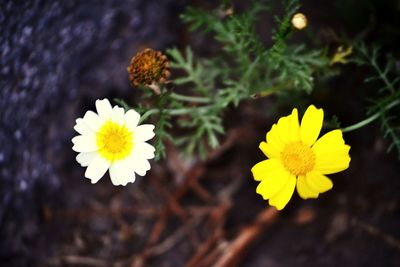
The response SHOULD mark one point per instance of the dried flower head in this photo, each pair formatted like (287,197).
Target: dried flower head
(148,68)
(299,21)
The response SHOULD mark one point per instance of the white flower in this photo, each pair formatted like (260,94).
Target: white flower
(112,140)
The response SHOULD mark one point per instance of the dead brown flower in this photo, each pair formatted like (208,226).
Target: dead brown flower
(148,68)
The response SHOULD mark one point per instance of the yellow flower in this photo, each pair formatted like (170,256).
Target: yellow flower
(113,140)
(298,159)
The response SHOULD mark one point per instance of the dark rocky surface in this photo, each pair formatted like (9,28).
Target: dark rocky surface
(54,56)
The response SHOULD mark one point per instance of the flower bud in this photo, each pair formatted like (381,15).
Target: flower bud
(299,21)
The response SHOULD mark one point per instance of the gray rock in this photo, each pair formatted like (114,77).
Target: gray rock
(56,58)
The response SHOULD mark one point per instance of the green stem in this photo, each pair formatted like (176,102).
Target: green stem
(383,76)
(122,103)
(148,114)
(370,119)
(182,111)
(272,90)
(195,99)
(172,112)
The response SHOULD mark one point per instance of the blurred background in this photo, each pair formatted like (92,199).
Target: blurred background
(58,57)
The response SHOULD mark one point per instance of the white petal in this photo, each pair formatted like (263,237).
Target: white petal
(141,166)
(104,108)
(84,143)
(81,127)
(131,119)
(84,159)
(121,173)
(118,115)
(144,150)
(114,175)
(97,168)
(143,132)
(93,120)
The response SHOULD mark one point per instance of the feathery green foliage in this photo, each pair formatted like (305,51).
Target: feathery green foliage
(244,67)
(389,94)
(385,105)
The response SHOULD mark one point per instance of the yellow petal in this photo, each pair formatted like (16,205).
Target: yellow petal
(282,127)
(273,182)
(264,168)
(333,164)
(273,136)
(288,128)
(318,182)
(331,153)
(270,150)
(280,200)
(274,142)
(329,140)
(311,125)
(304,190)
(294,128)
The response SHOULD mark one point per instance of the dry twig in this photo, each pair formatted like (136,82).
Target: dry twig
(374,231)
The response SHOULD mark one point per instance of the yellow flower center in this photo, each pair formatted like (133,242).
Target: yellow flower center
(298,158)
(115,141)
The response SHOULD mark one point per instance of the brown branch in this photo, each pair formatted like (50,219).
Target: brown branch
(230,140)
(74,260)
(203,250)
(216,221)
(374,231)
(233,254)
(201,191)
(190,181)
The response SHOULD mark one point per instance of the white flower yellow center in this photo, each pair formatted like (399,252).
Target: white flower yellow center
(115,141)
(298,158)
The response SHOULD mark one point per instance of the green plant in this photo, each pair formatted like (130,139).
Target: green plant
(244,68)
(387,97)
